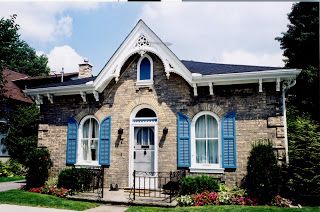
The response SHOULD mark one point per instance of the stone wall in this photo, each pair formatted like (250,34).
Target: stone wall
(257,116)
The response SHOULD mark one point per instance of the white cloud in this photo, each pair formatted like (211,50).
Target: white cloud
(44,21)
(220,31)
(64,26)
(66,57)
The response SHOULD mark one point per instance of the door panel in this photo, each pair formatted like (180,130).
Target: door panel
(144,157)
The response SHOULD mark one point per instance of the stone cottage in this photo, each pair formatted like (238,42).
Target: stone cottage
(149,111)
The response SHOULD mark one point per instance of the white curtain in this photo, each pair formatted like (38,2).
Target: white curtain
(212,126)
(206,132)
(85,129)
(90,135)
(201,127)
(151,136)
(200,143)
(201,151)
(145,136)
(213,150)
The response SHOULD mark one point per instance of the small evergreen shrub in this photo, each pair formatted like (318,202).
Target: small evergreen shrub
(198,184)
(75,179)
(38,169)
(262,176)
(301,178)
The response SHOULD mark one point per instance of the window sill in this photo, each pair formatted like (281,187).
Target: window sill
(207,170)
(144,83)
(87,164)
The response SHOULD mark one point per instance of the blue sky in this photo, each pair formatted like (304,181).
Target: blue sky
(237,33)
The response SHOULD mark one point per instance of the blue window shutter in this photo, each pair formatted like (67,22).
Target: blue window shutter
(229,150)
(183,140)
(105,142)
(145,69)
(72,137)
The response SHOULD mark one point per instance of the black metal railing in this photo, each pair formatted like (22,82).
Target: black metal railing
(92,180)
(164,185)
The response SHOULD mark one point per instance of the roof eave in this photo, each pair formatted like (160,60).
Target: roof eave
(61,90)
(246,77)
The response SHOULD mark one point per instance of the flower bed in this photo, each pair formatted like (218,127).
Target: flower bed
(59,192)
(226,196)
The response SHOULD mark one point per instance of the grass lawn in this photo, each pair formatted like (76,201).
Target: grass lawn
(8,179)
(18,197)
(230,208)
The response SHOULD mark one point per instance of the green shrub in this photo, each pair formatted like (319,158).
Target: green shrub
(75,179)
(38,169)
(51,182)
(4,171)
(15,167)
(185,200)
(262,176)
(11,168)
(301,178)
(198,184)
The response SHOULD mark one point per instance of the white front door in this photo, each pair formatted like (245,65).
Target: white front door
(144,157)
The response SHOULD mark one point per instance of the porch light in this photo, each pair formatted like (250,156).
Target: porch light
(120,131)
(165,131)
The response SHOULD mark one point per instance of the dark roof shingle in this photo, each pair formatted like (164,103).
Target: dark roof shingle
(217,68)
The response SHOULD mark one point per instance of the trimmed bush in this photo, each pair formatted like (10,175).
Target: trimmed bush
(262,176)
(75,179)
(38,169)
(198,184)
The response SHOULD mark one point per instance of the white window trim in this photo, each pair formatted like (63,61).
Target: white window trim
(80,161)
(145,82)
(205,168)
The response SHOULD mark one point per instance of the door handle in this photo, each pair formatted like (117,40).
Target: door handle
(145,152)
(134,155)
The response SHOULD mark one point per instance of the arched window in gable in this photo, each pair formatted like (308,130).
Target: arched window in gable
(145,70)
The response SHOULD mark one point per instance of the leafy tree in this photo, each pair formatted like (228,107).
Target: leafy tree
(16,54)
(301,48)
(302,177)
(22,145)
(22,136)
(262,176)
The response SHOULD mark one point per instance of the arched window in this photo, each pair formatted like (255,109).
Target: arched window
(145,70)
(89,140)
(205,141)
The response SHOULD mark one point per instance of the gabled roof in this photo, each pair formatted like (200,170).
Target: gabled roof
(218,68)
(11,90)
(208,74)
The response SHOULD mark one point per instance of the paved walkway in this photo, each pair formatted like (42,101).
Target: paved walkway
(11,185)
(108,208)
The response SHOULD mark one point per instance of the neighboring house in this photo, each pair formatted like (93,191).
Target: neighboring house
(148,110)
(13,96)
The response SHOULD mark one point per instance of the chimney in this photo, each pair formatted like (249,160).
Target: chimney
(85,69)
